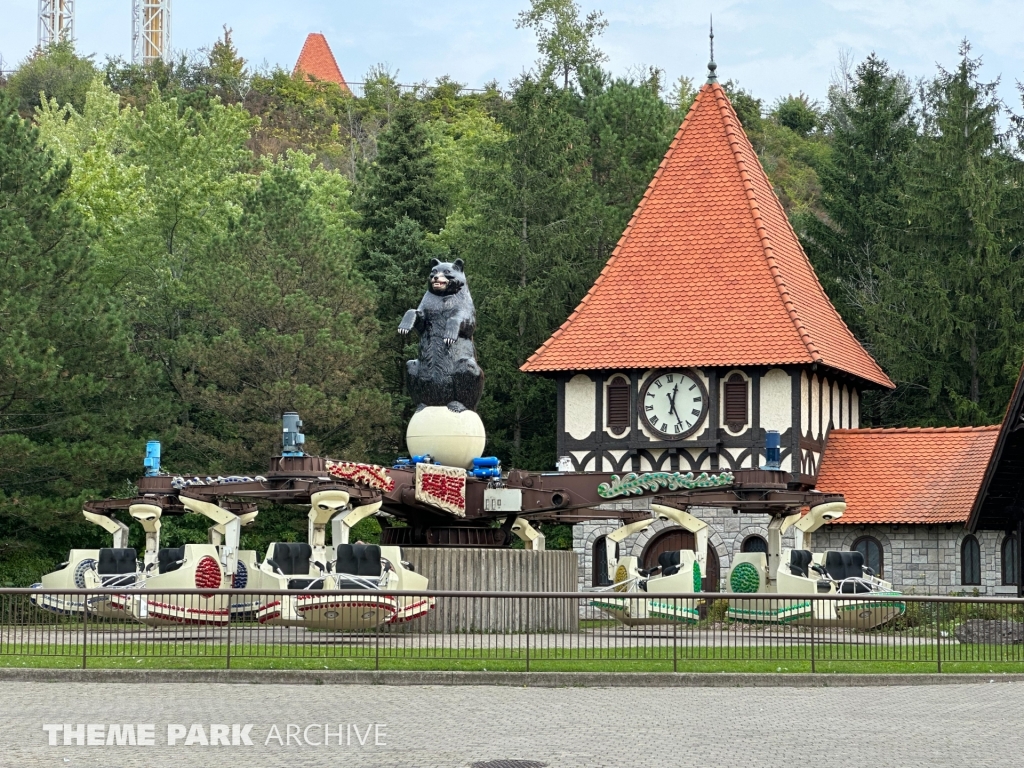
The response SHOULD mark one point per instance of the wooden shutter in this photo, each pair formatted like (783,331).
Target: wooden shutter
(735,402)
(618,405)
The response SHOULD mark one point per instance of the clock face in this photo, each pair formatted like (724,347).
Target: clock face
(673,404)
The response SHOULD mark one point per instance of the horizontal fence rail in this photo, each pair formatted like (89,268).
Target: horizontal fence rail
(509,631)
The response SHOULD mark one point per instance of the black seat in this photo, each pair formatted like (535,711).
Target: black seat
(799,561)
(846,565)
(292,559)
(115,562)
(117,567)
(357,560)
(170,559)
(669,562)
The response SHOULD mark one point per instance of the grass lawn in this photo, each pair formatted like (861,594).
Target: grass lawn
(791,659)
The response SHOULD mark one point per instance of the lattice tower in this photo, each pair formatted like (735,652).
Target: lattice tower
(56,21)
(151,31)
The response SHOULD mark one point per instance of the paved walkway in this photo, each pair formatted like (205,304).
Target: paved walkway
(423,727)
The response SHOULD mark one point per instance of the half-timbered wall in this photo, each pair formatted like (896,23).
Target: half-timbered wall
(801,404)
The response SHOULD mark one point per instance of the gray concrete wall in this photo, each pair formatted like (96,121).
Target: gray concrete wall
(498,570)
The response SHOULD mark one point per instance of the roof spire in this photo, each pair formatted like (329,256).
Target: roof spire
(712,76)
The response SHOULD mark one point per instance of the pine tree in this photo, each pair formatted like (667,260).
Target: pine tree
(531,256)
(948,322)
(872,131)
(72,396)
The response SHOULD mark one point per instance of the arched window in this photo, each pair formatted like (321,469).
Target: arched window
(871,548)
(754,543)
(970,561)
(599,562)
(1009,558)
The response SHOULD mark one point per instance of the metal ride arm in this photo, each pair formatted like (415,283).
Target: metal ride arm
(532,538)
(118,529)
(812,521)
(323,506)
(225,521)
(688,522)
(148,516)
(618,535)
(342,525)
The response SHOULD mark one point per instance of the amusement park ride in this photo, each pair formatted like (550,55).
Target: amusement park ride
(467,501)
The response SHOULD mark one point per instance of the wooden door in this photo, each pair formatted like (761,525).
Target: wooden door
(675,539)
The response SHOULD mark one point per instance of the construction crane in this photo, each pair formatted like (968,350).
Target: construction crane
(56,21)
(151,31)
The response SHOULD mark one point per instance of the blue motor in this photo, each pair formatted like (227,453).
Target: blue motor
(772,449)
(486,467)
(152,460)
(292,438)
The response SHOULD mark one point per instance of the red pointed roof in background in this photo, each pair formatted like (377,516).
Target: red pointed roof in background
(708,272)
(316,60)
(909,475)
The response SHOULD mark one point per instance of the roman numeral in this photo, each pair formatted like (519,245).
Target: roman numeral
(670,378)
(696,412)
(650,394)
(650,408)
(678,429)
(658,382)
(692,387)
(654,421)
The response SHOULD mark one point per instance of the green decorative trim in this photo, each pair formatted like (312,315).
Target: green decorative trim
(636,485)
(744,578)
(783,614)
(697,583)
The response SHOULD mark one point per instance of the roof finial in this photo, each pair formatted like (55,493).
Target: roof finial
(712,77)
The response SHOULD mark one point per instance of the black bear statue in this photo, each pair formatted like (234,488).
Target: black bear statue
(446,372)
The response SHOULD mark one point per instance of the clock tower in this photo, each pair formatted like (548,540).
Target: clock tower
(707,328)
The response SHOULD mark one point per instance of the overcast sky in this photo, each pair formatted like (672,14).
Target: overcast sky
(771,48)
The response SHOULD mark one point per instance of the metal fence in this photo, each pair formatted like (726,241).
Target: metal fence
(510,631)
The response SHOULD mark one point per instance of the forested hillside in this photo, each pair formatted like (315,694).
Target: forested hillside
(188,250)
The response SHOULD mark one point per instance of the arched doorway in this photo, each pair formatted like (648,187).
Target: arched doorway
(674,539)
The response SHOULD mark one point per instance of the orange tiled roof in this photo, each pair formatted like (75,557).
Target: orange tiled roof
(708,272)
(909,475)
(316,60)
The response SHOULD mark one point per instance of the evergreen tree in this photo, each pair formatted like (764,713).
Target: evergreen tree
(402,179)
(284,322)
(862,181)
(948,322)
(56,72)
(531,255)
(630,128)
(73,400)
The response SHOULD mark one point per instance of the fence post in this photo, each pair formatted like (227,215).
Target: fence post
(527,634)
(813,665)
(938,635)
(376,647)
(675,638)
(228,650)
(85,628)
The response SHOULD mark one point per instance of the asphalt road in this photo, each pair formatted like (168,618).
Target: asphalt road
(451,726)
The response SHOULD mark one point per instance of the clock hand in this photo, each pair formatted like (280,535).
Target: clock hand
(672,400)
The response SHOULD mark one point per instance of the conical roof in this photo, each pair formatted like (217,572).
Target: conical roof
(316,60)
(707,273)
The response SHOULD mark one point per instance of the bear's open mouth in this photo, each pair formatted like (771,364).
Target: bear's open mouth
(439,281)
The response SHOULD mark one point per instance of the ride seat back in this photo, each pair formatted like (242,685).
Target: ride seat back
(669,562)
(799,562)
(170,559)
(116,562)
(345,560)
(292,559)
(368,556)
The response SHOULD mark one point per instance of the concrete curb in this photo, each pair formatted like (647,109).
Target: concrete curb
(510,679)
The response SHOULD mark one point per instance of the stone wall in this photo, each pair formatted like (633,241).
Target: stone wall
(924,558)
(920,558)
